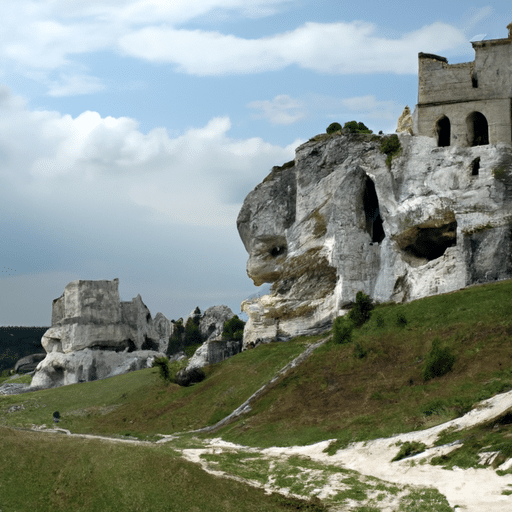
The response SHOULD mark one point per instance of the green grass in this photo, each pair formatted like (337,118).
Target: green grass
(336,395)
(57,473)
(139,404)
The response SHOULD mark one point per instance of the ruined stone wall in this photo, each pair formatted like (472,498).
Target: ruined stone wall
(88,302)
(458,90)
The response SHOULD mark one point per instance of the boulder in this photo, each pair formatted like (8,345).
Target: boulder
(214,351)
(188,376)
(29,363)
(340,219)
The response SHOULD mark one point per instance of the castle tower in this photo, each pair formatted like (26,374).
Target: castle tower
(467,104)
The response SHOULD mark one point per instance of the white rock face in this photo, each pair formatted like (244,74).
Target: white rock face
(94,335)
(214,351)
(339,219)
(60,369)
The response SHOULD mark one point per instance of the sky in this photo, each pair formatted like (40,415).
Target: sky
(132,130)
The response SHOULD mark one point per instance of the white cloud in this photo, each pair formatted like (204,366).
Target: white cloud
(194,178)
(40,37)
(72,85)
(309,46)
(283,109)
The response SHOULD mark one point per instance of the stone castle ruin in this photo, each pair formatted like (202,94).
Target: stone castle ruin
(434,218)
(468,104)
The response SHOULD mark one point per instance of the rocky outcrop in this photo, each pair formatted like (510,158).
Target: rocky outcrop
(340,218)
(60,369)
(214,351)
(29,363)
(211,323)
(95,335)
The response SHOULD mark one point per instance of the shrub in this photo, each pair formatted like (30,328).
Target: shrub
(361,312)
(355,127)
(342,330)
(409,449)
(391,147)
(401,321)
(333,127)
(233,329)
(439,361)
(162,363)
(192,333)
(359,351)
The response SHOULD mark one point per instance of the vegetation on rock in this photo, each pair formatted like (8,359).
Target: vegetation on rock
(356,127)
(391,147)
(233,329)
(333,127)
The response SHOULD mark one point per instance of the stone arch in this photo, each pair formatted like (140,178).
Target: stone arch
(477,129)
(443,131)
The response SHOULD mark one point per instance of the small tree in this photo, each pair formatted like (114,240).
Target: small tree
(333,127)
(192,333)
(233,329)
(162,363)
(355,127)
(439,361)
(342,330)
(361,312)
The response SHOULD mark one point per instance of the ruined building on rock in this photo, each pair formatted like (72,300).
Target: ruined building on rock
(432,217)
(468,104)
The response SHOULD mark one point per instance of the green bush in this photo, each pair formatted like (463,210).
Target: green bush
(409,449)
(233,329)
(355,127)
(192,333)
(333,127)
(439,361)
(342,330)
(401,321)
(361,312)
(391,147)
(162,363)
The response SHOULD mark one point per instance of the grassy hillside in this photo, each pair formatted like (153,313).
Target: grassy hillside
(335,393)
(369,388)
(56,473)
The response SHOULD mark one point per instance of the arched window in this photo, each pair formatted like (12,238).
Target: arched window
(478,129)
(443,132)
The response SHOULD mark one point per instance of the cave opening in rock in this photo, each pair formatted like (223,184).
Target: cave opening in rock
(430,240)
(372,212)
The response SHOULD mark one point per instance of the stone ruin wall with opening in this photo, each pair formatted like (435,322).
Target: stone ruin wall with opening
(458,90)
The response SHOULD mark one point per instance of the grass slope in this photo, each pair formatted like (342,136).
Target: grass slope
(56,473)
(139,404)
(369,388)
(339,394)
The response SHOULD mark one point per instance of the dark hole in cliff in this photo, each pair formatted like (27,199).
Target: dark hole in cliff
(427,242)
(149,344)
(475,167)
(277,251)
(443,129)
(131,346)
(478,129)
(372,212)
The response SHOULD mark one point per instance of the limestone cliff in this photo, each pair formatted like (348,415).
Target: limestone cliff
(339,219)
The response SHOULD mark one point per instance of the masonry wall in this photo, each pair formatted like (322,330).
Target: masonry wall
(458,90)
